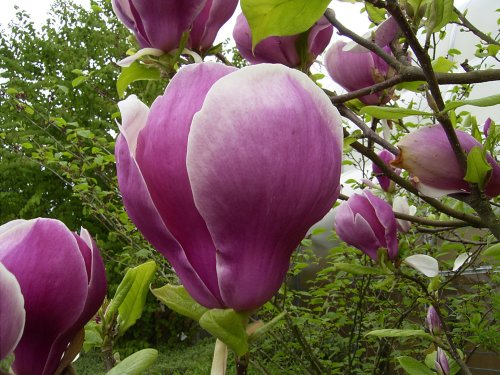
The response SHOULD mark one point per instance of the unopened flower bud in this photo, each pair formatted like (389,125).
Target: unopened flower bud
(433,321)
(442,365)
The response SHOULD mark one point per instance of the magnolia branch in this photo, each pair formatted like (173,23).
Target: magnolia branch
(392,61)
(465,22)
(407,185)
(414,74)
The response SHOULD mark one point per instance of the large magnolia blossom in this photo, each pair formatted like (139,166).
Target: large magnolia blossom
(62,279)
(427,154)
(226,172)
(161,23)
(286,50)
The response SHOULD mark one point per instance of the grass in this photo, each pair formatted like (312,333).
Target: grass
(184,360)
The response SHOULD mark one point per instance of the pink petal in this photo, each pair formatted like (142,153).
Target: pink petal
(12,313)
(262,171)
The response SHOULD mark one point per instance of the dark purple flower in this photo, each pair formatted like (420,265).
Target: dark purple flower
(225,186)
(428,156)
(367,223)
(161,23)
(283,49)
(63,282)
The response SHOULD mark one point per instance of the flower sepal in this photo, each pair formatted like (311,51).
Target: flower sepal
(385,262)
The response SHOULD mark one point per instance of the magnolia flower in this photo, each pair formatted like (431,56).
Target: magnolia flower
(442,365)
(367,223)
(225,184)
(283,49)
(433,321)
(62,279)
(427,154)
(12,314)
(357,70)
(161,23)
(385,182)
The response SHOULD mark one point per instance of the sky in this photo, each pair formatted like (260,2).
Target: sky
(38,10)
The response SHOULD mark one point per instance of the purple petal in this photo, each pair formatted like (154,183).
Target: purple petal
(12,313)
(141,210)
(486,127)
(165,139)
(206,26)
(275,50)
(356,231)
(44,256)
(386,32)
(262,171)
(160,23)
(96,286)
(319,37)
(386,217)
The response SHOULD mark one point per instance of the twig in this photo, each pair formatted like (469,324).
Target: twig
(466,23)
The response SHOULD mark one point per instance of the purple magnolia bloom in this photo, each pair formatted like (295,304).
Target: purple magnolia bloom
(442,365)
(385,182)
(282,49)
(12,314)
(354,70)
(428,156)
(433,321)
(367,223)
(225,186)
(486,127)
(63,281)
(161,23)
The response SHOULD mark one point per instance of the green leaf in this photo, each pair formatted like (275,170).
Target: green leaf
(492,251)
(356,269)
(135,72)
(398,333)
(130,309)
(178,299)
(440,13)
(392,113)
(482,102)
(442,65)
(78,81)
(228,326)
(493,49)
(135,364)
(376,15)
(414,367)
(478,168)
(281,17)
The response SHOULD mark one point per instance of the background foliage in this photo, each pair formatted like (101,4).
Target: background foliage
(57,131)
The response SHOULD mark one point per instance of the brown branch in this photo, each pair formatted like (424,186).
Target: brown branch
(413,74)
(367,131)
(407,185)
(391,60)
(466,23)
